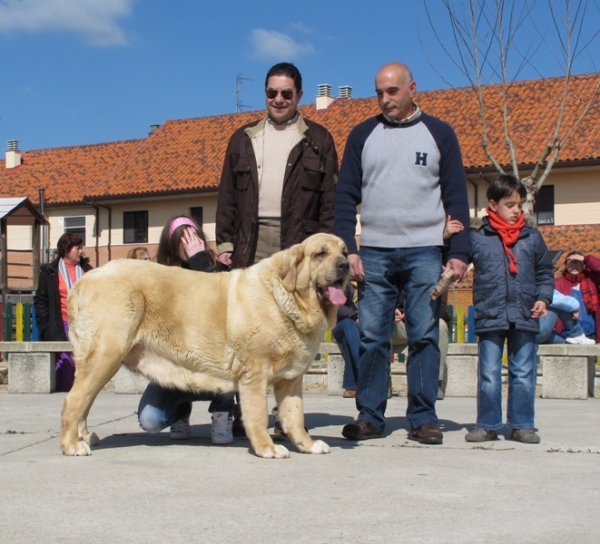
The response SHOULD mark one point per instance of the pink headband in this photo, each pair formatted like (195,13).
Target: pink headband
(181,222)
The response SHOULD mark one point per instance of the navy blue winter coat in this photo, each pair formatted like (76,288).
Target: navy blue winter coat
(500,297)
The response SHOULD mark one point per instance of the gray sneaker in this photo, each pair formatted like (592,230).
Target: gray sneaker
(527,436)
(481,435)
(180,430)
(221,429)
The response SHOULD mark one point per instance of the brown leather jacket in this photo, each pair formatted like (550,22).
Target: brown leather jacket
(307,198)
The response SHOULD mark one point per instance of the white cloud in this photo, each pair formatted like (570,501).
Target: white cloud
(301,27)
(96,21)
(273,45)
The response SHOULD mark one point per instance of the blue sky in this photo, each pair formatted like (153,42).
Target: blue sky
(86,71)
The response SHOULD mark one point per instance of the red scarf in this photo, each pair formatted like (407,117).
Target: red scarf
(588,293)
(509,234)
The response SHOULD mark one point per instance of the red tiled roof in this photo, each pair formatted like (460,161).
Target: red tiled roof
(65,173)
(181,155)
(532,118)
(187,154)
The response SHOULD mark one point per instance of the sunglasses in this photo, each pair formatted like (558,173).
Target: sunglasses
(286,94)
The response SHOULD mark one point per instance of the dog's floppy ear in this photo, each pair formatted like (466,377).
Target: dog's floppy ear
(287,266)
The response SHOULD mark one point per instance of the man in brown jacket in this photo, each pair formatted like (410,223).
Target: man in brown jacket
(278,181)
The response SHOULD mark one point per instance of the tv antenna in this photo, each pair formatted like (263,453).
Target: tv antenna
(238,93)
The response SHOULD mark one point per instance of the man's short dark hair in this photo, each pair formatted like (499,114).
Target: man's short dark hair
(505,185)
(285,69)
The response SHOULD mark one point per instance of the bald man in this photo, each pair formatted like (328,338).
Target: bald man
(404,168)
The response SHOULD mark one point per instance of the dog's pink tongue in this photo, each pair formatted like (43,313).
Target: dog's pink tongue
(336,295)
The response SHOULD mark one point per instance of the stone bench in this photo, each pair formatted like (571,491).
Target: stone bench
(31,368)
(564,372)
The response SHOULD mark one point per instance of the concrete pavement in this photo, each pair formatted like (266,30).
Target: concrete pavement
(140,488)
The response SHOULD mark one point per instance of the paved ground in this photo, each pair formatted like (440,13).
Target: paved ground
(140,488)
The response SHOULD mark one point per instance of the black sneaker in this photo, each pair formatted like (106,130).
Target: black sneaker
(427,433)
(361,429)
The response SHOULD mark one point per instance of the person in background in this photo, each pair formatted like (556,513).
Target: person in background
(566,309)
(182,243)
(140,253)
(574,282)
(399,339)
(592,270)
(512,289)
(50,301)
(347,335)
(278,181)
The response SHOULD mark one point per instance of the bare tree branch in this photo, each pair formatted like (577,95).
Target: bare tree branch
(486,37)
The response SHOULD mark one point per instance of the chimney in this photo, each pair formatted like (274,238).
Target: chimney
(153,129)
(13,155)
(345,91)
(324,98)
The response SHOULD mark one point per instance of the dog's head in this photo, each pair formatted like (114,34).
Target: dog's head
(319,263)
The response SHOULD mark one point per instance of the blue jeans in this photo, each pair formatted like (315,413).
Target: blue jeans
(347,335)
(415,271)
(547,335)
(522,366)
(161,407)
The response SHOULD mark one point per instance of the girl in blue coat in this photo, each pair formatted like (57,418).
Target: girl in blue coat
(512,288)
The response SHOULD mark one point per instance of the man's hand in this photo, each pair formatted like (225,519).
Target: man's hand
(539,310)
(225,258)
(458,266)
(357,272)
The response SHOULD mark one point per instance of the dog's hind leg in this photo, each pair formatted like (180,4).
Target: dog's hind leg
(92,373)
(253,401)
(290,412)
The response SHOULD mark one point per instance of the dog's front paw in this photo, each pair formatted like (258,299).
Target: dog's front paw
(318,446)
(80,449)
(275,451)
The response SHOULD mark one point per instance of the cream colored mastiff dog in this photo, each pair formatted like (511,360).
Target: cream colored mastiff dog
(239,330)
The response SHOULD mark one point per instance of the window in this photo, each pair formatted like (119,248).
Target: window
(196,214)
(75,225)
(135,227)
(544,205)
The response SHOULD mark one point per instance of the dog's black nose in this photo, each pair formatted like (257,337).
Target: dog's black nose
(343,266)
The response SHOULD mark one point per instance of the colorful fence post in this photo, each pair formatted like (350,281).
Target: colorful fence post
(471,325)
(19,322)
(7,315)
(35,333)
(460,324)
(27,322)
(450,311)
